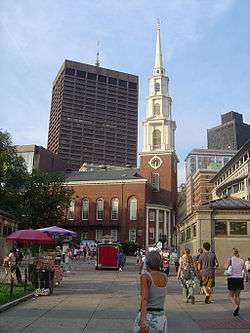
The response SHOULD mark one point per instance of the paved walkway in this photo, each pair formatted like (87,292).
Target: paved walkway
(107,301)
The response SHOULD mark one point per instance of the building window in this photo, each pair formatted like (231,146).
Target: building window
(102,78)
(161,216)
(194,230)
(151,233)
(220,228)
(156,139)
(114,209)
(70,71)
(132,85)
(71,210)
(188,233)
(238,228)
(156,182)
(114,234)
(132,235)
(123,83)
(91,76)
(6,230)
(98,235)
(112,80)
(81,74)
(99,209)
(151,215)
(85,209)
(183,237)
(156,109)
(133,209)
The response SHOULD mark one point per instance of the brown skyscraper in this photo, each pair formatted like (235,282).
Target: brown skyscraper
(93,116)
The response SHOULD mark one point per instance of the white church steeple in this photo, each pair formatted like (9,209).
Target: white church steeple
(158,55)
(159,128)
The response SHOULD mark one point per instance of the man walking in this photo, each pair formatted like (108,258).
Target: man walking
(206,265)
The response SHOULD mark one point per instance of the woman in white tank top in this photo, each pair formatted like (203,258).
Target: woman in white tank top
(151,317)
(235,281)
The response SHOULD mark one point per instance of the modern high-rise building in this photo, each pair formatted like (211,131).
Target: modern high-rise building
(201,165)
(94,114)
(232,134)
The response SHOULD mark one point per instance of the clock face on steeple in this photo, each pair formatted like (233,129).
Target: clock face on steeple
(155,162)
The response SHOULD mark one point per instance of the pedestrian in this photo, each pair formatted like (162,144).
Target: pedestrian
(186,274)
(121,260)
(151,317)
(165,263)
(235,282)
(142,264)
(75,251)
(66,266)
(247,267)
(206,266)
(196,262)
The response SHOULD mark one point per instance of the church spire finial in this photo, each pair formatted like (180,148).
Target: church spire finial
(97,62)
(158,67)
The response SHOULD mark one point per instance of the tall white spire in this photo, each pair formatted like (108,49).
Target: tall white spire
(158,67)
(159,127)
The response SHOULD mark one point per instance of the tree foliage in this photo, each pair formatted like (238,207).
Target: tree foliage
(44,200)
(38,199)
(13,174)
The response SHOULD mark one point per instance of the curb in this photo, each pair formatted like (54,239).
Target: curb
(9,305)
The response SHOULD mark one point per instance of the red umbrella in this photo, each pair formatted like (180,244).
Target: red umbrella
(30,236)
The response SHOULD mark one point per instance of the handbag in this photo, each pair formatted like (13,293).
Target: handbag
(228,272)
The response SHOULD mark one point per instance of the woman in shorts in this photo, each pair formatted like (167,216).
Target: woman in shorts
(235,281)
(151,317)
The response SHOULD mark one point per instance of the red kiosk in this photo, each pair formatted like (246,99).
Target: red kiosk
(107,256)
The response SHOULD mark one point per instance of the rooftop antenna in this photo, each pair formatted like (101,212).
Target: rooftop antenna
(97,63)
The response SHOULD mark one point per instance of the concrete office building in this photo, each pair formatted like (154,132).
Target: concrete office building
(94,114)
(231,134)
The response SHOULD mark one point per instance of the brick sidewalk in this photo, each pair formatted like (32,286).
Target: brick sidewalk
(107,301)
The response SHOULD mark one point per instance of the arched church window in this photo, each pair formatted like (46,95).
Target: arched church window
(71,210)
(156,109)
(100,209)
(114,209)
(156,139)
(85,209)
(133,209)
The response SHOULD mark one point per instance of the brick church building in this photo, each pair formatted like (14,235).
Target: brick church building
(129,203)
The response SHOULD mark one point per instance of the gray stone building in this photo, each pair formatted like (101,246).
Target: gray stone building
(232,134)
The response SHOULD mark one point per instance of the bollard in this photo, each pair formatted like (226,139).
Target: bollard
(11,286)
(25,278)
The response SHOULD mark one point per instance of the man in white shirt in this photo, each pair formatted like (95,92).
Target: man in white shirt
(247,267)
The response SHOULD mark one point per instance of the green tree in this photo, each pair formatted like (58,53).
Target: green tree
(44,200)
(13,174)
(37,199)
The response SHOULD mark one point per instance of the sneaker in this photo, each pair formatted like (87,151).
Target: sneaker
(236,311)
(207,299)
(120,270)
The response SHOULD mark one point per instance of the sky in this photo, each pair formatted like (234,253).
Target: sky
(206,52)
